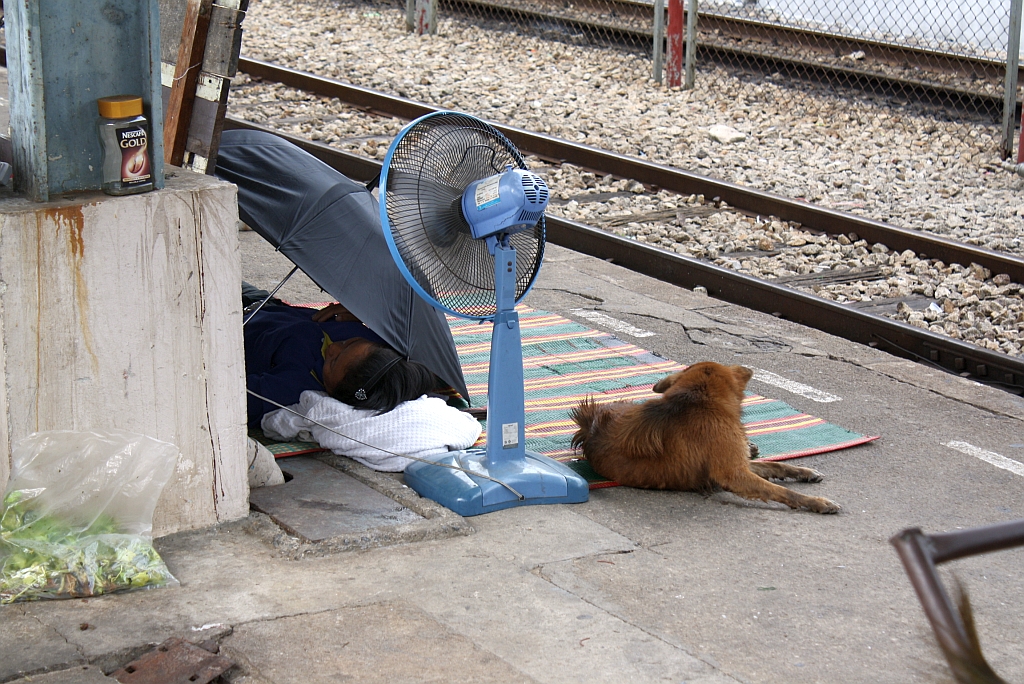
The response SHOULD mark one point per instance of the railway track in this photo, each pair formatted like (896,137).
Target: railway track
(898,338)
(771,47)
(657,176)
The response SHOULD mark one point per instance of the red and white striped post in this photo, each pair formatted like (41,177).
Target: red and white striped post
(674,51)
(425,17)
(1020,142)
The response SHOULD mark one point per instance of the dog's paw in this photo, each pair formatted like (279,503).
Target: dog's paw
(821,505)
(811,475)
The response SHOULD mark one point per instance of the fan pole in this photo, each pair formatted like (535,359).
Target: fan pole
(506,415)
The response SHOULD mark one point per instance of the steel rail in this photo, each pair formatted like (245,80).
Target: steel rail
(892,54)
(749,200)
(895,337)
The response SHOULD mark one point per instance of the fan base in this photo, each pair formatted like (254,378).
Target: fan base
(541,480)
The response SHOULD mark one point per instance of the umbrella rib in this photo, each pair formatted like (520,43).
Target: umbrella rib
(270,296)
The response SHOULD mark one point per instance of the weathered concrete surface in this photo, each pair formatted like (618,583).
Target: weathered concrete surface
(480,589)
(320,502)
(633,585)
(82,674)
(122,313)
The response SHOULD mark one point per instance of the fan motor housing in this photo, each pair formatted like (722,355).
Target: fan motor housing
(504,203)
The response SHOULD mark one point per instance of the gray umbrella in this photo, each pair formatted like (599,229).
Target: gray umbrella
(329,226)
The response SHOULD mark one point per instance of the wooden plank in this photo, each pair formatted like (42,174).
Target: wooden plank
(208,123)
(226,16)
(186,73)
(216,90)
(172,18)
(207,100)
(224,41)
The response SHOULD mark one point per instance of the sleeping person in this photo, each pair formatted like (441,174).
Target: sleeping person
(343,378)
(290,349)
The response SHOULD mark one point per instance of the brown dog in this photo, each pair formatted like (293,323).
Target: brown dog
(690,438)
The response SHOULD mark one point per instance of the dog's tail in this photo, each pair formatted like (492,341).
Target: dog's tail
(587,415)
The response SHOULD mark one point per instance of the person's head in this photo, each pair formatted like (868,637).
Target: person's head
(368,375)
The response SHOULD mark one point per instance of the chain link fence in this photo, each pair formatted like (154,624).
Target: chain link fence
(615,23)
(946,54)
(939,52)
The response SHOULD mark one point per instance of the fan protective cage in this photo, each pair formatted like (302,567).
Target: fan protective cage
(426,171)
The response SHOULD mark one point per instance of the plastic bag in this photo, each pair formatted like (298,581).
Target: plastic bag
(77,515)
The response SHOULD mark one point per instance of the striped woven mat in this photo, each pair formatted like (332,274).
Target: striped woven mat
(564,361)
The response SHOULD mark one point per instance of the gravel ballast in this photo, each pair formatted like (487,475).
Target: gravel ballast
(890,162)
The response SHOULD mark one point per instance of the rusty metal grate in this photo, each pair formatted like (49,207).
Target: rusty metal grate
(175,661)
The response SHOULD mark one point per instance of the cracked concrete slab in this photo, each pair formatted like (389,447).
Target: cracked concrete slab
(320,502)
(633,585)
(31,645)
(81,674)
(783,584)
(349,643)
(478,588)
(698,317)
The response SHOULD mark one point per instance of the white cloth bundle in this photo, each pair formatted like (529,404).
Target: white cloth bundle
(421,427)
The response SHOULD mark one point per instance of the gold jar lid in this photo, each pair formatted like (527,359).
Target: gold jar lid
(120,106)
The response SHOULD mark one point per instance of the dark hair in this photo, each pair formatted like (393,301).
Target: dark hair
(386,380)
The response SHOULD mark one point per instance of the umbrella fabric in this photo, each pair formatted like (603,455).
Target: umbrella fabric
(329,226)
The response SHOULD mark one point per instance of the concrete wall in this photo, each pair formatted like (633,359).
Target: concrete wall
(124,312)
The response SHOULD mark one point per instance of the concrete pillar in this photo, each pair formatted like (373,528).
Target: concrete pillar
(124,312)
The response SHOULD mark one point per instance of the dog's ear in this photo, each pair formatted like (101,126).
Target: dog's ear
(742,375)
(662,385)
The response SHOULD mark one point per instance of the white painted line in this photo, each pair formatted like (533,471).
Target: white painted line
(613,323)
(998,460)
(793,386)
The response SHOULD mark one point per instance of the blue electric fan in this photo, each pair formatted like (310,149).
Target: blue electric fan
(465,223)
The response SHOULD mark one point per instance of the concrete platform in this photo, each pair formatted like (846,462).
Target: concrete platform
(319,502)
(633,586)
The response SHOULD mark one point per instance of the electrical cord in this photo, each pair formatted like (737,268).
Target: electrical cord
(392,453)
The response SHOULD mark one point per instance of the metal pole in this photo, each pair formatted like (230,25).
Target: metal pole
(659,38)
(674,52)
(949,546)
(920,554)
(1020,142)
(915,552)
(1010,87)
(27,104)
(691,43)
(53,100)
(410,14)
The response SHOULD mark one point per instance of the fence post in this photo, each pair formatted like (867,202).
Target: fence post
(1010,86)
(425,19)
(674,55)
(691,43)
(659,38)
(410,14)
